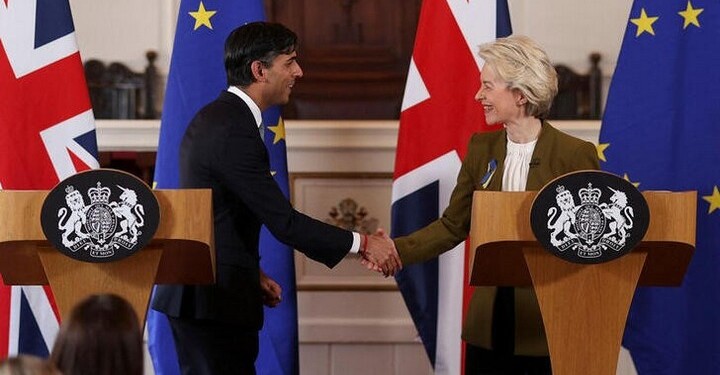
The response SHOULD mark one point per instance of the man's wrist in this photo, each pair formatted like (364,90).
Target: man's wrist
(363,244)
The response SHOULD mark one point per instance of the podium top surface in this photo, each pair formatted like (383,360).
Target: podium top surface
(185,233)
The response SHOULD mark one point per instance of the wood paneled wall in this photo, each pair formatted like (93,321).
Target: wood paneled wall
(355,55)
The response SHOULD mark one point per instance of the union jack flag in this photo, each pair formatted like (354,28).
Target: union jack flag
(438,117)
(47,133)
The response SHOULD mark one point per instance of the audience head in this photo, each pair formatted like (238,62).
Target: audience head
(27,365)
(101,336)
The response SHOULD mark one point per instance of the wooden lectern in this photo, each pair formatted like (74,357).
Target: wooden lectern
(180,253)
(584,306)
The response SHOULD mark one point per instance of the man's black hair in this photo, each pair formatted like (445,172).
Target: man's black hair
(261,41)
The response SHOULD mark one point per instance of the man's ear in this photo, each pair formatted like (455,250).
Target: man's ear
(257,69)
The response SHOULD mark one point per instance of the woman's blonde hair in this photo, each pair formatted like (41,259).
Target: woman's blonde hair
(25,364)
(525,67)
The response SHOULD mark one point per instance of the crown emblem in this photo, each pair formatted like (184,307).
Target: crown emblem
(590,195)
(71,192)
(99,195)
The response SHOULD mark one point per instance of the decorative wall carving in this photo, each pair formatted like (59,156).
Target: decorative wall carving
(351,216)
(312,194)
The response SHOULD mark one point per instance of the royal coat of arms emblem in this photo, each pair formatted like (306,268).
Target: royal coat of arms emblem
(595,229)
(111,224)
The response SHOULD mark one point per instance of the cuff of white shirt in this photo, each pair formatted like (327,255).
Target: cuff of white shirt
(356,243)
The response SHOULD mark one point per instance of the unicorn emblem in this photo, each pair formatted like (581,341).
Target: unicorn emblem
(619,216)
(131,214)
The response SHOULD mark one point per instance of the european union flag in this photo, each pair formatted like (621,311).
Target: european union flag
(197,75)
(279,336)
(660,130)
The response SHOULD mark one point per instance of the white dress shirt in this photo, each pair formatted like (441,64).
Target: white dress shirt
(517,165)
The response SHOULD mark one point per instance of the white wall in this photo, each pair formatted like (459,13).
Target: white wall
(123,31)
(572,29)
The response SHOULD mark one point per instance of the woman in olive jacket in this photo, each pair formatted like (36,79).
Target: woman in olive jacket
(517,89)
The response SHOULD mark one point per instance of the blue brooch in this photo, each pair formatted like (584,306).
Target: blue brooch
(492,167)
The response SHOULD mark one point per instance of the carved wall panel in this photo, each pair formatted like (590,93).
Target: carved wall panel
(354,201)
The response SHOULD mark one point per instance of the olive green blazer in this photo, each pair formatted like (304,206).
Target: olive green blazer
(555,154)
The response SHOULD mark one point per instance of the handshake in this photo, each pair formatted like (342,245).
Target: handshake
(379,253)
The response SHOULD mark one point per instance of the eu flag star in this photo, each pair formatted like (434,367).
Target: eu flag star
(644,23)
(202,17)
(279,131)
(627,178)
(601,150)
(690,15)
(713,199)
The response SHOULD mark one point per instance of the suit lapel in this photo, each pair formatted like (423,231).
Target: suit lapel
(540,157)
(241,109)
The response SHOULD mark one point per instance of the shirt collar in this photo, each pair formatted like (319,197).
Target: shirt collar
(250,103)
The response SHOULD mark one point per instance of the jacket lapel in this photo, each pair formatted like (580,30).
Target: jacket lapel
(540,157)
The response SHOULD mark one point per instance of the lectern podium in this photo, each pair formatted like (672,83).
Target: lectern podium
(584,306)
(180,253)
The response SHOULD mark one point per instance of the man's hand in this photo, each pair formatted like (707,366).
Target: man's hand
(270,289)
(380,254)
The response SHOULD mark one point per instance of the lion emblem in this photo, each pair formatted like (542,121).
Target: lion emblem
(73,224)
(565,220)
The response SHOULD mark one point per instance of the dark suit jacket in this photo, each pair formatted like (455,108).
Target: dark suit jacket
(555,154)
(222,150)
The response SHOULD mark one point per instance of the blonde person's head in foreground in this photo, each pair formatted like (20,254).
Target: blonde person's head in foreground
(24,364)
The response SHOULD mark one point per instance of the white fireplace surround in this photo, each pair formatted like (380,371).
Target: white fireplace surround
(373,141)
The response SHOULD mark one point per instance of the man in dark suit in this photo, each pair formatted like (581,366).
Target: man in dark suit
(215,327)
